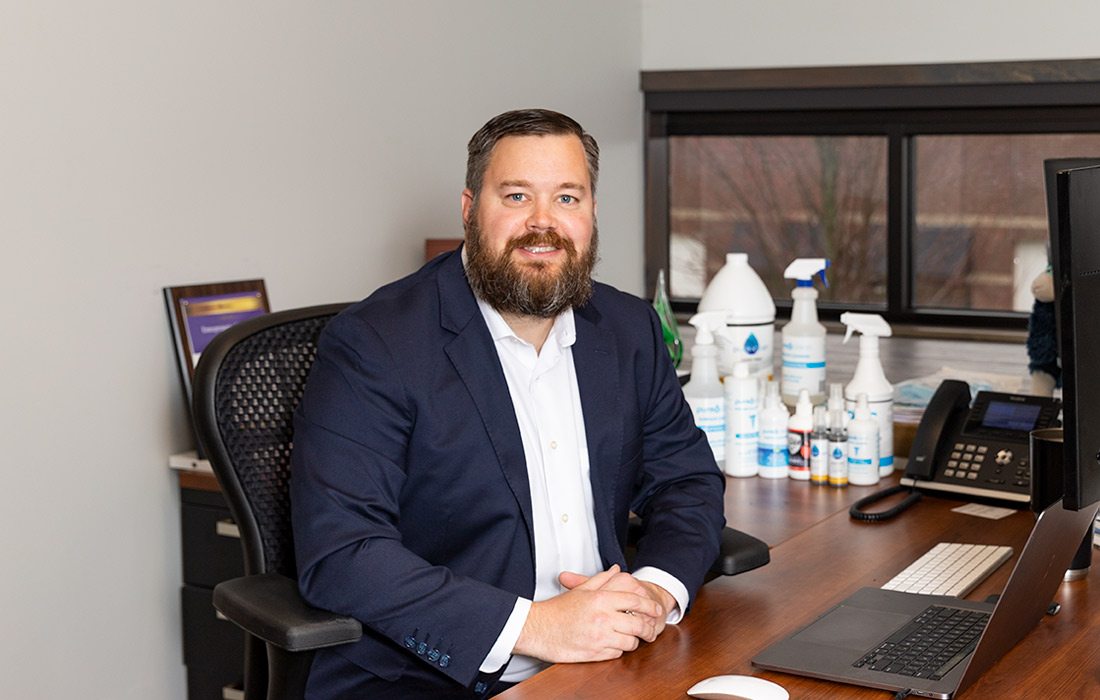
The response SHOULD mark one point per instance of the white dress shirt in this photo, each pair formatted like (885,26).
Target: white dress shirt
(544,392)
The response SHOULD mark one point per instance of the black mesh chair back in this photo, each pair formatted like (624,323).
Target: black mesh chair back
(247,385)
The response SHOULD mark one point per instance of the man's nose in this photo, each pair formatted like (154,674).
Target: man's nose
(541,216)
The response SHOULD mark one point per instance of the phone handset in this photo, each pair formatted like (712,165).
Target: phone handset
(948,407)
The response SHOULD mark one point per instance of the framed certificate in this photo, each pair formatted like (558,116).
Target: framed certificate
(198,312)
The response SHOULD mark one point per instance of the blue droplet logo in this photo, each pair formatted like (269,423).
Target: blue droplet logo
(752,345)
(837,454)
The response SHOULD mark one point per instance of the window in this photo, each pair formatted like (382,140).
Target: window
(922,184)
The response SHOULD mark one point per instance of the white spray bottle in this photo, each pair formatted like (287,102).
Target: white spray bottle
(704,391)
(870,379)
(742,422)
(803,365)
(749,310)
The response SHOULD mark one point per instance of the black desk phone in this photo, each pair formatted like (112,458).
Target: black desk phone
(978,449)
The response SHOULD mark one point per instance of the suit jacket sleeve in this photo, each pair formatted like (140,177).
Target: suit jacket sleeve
(352,437)
(679,490)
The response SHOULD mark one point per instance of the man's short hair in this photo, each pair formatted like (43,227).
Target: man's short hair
(525,122)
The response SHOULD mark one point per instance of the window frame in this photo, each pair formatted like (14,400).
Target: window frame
(897,102)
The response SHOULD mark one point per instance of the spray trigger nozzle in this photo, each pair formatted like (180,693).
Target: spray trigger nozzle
(804,270)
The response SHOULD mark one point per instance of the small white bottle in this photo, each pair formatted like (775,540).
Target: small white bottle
(742,418)
(773,457)
(803,357)
(838,448)
(799,428)
(863,446)
(870,379)
(703,391)
(819,447)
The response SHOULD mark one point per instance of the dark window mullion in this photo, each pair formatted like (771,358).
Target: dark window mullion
(899,239)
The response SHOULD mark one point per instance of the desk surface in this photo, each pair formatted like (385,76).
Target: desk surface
(816,567)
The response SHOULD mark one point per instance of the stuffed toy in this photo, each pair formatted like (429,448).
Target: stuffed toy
(1042,342)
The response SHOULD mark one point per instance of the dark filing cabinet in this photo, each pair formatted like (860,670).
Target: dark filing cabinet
(213,647)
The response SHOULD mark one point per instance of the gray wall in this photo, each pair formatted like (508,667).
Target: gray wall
(143,144)
(681,34)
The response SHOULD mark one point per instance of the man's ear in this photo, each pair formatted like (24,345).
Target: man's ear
(467,205)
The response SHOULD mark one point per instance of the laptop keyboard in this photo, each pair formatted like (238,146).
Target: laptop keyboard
(950,568)
(930,645)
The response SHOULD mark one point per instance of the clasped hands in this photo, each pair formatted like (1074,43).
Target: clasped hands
(599,617)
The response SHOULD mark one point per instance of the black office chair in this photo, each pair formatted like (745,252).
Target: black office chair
(247,385)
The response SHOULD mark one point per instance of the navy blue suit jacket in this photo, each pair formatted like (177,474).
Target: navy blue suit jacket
(411,504)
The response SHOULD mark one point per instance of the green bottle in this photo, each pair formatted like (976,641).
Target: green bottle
(669,329)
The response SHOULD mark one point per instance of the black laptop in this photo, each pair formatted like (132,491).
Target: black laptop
(933,646)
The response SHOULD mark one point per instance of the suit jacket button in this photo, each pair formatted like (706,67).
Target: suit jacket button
(445,661)
(433,655)
(410,643)
(421,648)
(480,687)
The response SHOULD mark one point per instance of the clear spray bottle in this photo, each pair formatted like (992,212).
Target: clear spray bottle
(704,391)
(803,362)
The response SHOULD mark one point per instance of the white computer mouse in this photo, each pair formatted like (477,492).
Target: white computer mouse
(733,687)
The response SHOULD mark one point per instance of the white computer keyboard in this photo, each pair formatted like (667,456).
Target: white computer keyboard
(950,568)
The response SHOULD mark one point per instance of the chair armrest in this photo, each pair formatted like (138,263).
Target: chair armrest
(739,552)
(269,606)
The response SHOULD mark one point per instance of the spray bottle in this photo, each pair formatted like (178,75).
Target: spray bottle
(836,400)
(838,448)
(819,447)
(773,457)
(863,446)
(799,428)
(870,379)
(742,417)
(738,292)
(703,391)
(803,364)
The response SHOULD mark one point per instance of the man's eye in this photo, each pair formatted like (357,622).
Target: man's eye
(567,199)
(516,197)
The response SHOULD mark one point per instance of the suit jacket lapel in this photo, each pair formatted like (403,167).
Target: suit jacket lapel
(596,361)
(475,359)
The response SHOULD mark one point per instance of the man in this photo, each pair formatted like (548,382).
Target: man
(473,438)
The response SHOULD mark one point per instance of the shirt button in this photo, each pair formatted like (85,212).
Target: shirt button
(565,517)
(553,444)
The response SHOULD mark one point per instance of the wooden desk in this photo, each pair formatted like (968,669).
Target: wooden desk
(736,617)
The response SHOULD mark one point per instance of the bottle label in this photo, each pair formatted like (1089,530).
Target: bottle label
(803,366)
(772,455)
(862,459)
(710,416)
(882,412)
(819,460)
(838,463)
(798,445)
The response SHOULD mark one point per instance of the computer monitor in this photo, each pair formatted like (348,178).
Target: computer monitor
(1075,257)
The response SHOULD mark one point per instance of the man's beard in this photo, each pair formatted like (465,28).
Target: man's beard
(532,288)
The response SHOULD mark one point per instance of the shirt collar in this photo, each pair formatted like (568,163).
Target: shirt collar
(564,331)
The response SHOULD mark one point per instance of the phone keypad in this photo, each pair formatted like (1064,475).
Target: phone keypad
(968,459)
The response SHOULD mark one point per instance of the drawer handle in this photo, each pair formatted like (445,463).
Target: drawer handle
(227,528)
(230,692)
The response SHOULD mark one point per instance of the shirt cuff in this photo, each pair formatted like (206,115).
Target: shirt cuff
(670,583)
(506,641)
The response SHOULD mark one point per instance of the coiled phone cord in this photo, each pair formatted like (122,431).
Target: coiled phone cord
(857,512)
